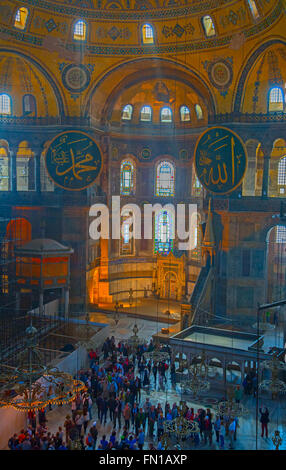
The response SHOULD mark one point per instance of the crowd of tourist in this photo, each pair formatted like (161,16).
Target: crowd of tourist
(113,395)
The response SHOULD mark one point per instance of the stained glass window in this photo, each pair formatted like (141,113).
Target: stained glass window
(146,113)
(126,241)
(163,233)
(79,30)
(185,114)
(199,111)
(208,25)
(127,112)
(165,177)
(276,101)
(5,104)
(253,9)
(127,178)
(147,34)
(166,114)
(21,18)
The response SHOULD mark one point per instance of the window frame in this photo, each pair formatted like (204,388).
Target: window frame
(147,43)
(123,192)
(26,20)
(201,118)
(11,105)
(171,113)
(204,29)
(173,189)
(73,30)
(249,3)
(268,99)
(132,110)
(180,113)
(151,118)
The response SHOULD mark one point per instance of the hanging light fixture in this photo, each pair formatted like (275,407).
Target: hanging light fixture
(277,439)
(180,426)
(157,354)
(28,386)
(196,381)
(134,341)
(230,408)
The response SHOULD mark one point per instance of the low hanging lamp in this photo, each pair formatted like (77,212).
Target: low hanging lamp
(28,387)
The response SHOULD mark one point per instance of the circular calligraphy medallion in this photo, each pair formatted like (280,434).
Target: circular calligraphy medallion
(220,160)
(73,160)
(76,78)
(220,74)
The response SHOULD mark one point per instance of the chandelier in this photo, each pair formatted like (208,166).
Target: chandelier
(277,439)
(32,386)
(157,354)
(273,385)
(197,379)
(134,341)
(230,408)
(180,426)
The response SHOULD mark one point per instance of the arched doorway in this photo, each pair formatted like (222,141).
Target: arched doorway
(276,263)
(171,286)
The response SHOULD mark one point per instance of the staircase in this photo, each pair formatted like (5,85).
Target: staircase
(198,317)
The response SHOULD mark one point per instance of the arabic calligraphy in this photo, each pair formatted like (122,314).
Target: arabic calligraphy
(73,160)
(220,160)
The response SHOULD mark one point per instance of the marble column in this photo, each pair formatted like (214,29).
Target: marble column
(267,149)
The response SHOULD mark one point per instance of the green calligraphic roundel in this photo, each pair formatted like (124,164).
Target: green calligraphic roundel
(220,160)
(73,160)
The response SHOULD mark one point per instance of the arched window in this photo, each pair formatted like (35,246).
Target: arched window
(164,233)
(5,104)
(282,175)
(185,114)
(165,178)
(276,100)
(166,114)
(146,114)
(280,234)
(25,168)
(253,9)
(4,168)
(208,25)
(21,18)
(127,112)
(147,34)
(199,112)
(79,30)
(126,241)
(29,105)
(127,178)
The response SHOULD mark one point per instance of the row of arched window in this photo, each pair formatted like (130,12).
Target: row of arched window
(147,30)
(29,105)
(276,103)
(166,113)
(164,183)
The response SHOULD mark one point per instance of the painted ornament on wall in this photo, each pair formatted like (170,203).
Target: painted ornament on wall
(75,77)
(73,160)
(220,160)
(220,73)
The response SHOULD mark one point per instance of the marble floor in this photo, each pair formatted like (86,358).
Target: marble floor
(246,435)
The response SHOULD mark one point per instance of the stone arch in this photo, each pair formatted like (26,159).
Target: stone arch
(247,67)
(131,72)
(278,152)
(56,89)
